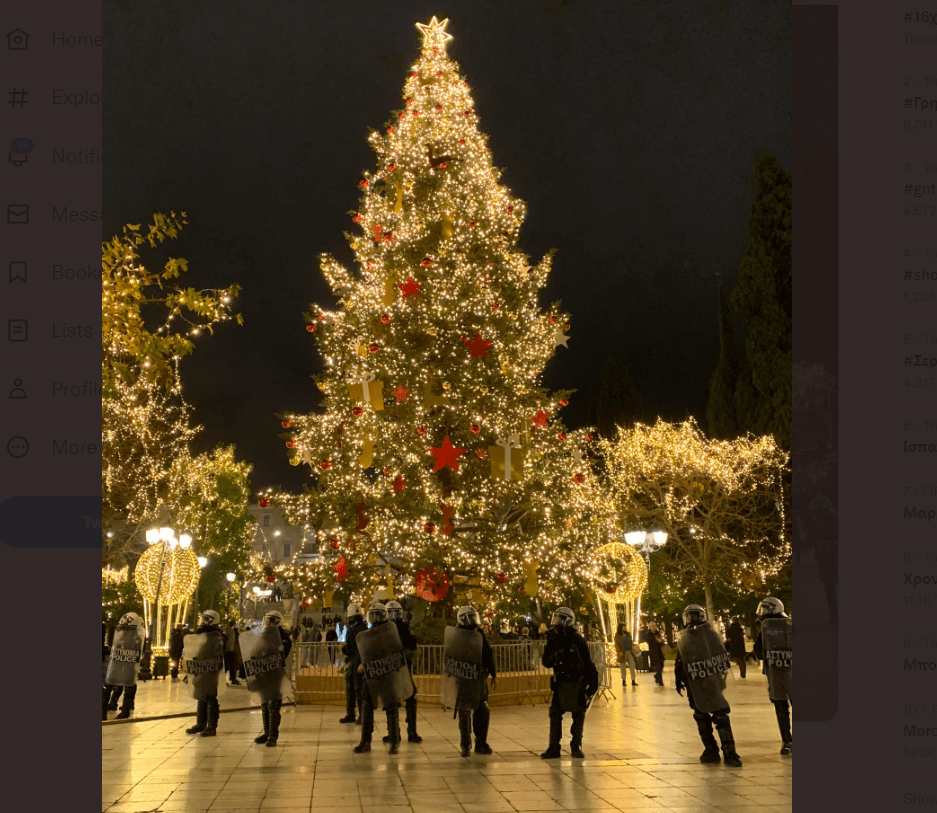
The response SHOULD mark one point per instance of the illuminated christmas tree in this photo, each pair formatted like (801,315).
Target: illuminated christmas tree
(436,455)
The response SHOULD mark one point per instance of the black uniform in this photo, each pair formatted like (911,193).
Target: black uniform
(476,722)
(352,676)
(575,679)
(270,711)
(705,721)
(782,708)
(112,694)
(408,639)
(207,710)
(367,712)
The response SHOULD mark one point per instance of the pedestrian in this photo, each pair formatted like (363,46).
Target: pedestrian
(230,652)
(175,650)
(408,639)
(651,636)
(624,645)
(124,665)
(735,643)
(330,638)
(775,646)
(468,661)
(356,624)
(574,682)
(203,651)
(700,668)
(265,665)
(386,682)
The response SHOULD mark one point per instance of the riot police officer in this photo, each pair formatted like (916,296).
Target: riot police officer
(774,646)
(386,678)
(575,680)
(270,683)
(356,624)
(408,639)
(476,721)
(124,665)
(206,647)
(700,668)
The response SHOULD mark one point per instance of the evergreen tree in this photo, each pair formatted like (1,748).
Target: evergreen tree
(436,454)
(617,400)
(763,299)
(721,409)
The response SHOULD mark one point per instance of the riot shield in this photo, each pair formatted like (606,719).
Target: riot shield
(706,663)
(778,648)
(203,653)
(385,667)
(463,677)
(126,651)
(265,665)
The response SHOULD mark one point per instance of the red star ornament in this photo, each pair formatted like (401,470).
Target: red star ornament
(400,395)
(478,346)
(447,455)
(409,288)
(399,484)
(540,419)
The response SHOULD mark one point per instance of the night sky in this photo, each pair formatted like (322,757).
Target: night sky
(630,129)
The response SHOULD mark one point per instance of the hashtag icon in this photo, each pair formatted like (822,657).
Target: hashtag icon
(907,188)
(909,274)
(18,97)
(909,102)
(908,361)
(908,16)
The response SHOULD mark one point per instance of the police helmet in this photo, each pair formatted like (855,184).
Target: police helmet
(563,617)
(273,619)
(353,611)
(770,606)
(467,616)
(377,612)
(130,620)
(394,610)
(210,618)
(691,611)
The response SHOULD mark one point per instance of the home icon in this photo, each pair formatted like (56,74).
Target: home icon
(17,40)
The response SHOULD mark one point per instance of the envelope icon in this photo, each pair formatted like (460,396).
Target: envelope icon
(17,213)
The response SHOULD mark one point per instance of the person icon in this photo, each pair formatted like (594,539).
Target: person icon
(17,392)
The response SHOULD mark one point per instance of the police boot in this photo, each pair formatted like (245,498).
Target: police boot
(127,705)
(274,722)
(465,732)
(366,721)
(393,728)
(704,725)
(211,722)
(783,713)
(113,697)
(480,721)
(412,736)
(201,715)
(265,715)
(556,732)
(724,729)
(575,734)
(106,694)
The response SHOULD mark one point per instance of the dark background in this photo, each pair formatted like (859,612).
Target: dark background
(631,130)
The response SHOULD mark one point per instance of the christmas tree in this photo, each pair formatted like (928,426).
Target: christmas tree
(438,459)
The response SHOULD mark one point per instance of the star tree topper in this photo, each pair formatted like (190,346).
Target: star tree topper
(434,33)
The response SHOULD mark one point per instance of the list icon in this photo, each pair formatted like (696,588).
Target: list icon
(18,330)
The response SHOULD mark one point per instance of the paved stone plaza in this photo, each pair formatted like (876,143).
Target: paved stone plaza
(641,749)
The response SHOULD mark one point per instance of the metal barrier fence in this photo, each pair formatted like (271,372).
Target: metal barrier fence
(318,673)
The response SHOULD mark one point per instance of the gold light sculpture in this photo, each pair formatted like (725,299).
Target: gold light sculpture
(180,576)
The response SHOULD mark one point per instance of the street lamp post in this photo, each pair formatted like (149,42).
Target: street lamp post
(232,577)
(646,543)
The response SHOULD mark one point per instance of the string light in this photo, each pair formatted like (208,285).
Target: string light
(180,571)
